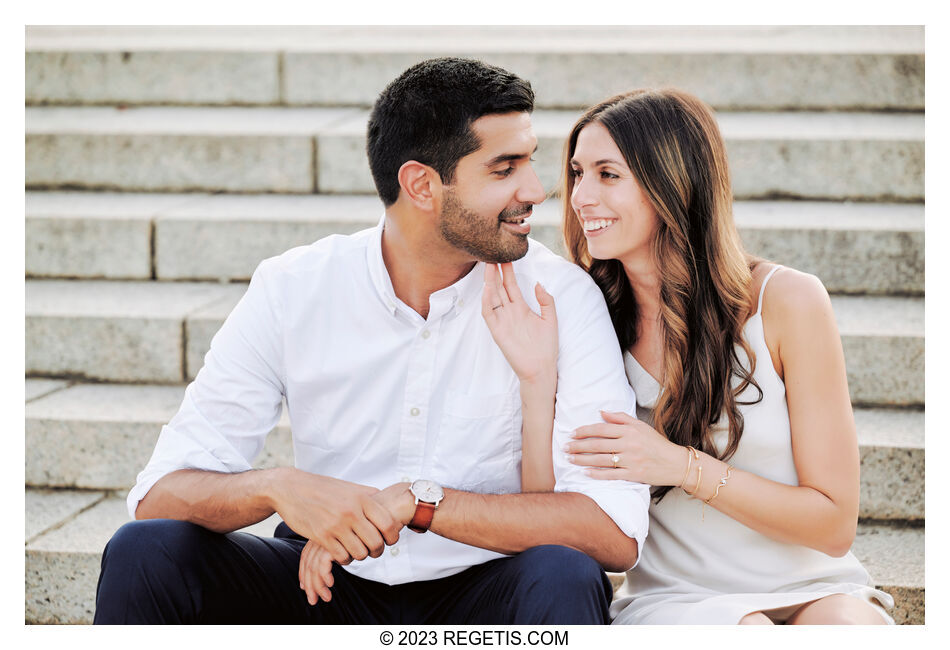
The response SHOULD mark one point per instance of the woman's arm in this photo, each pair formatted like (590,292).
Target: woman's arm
(821,512)
(529,343)
(537,423)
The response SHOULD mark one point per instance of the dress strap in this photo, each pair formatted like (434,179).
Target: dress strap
(762,288)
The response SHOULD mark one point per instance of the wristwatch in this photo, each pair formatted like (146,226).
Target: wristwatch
(428,495)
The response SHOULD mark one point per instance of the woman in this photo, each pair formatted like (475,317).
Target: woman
(744,425)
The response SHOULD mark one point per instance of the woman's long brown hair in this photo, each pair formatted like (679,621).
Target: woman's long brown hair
(671,143)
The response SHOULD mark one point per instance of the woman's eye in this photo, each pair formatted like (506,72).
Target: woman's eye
(608,175)
(576,173)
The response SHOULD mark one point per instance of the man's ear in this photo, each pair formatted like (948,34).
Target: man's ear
(421,185)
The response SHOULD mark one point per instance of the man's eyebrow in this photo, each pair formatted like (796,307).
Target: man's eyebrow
(505,157)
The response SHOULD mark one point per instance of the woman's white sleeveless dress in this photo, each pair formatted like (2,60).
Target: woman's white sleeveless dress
(719,570)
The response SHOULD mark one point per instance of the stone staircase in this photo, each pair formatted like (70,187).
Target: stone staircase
(163,164)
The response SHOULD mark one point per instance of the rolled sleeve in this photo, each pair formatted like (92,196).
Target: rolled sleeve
(234,401)
(591,378)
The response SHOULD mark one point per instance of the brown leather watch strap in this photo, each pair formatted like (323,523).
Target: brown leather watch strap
(422,518)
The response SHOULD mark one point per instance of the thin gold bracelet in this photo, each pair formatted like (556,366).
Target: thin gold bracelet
(722,482)
(690,452)
(699,479)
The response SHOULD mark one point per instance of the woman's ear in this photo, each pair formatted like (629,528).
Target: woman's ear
(421,185)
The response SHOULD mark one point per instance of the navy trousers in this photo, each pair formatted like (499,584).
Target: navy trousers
(167,571)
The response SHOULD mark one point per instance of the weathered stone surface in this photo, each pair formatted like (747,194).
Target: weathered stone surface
(36,388)
(883,339)
(96,435)
(114,331)
(88,248)
(769,67)
(88,235)
(852,247)
(62,566)
(827,169)
(188,163)
(102,435)
(203,324)
(228,236)
(892,463)
(894,556)
(137,76)
(48,508)
(174,148)
(572,79)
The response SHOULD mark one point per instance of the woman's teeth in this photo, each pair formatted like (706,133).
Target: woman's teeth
(596,224)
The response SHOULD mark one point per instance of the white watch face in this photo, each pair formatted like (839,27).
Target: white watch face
(427,491)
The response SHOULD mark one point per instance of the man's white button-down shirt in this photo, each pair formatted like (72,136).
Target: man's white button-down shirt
(377,394)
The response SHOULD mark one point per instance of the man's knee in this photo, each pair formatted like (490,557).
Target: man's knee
(142,570)
(559,585)
(152,542)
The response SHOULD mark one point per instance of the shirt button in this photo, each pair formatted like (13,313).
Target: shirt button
(426,334)
(461,302)
(413,411)
(394,551)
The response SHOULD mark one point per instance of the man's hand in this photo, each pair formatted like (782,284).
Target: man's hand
(339,516)
(398,502)
(316,573)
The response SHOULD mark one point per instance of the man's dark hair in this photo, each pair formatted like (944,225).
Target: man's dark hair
(426,115)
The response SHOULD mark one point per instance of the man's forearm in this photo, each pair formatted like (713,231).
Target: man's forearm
(511,523)
(218,501)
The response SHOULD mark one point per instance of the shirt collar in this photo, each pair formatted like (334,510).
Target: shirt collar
(377,268)
(464,293)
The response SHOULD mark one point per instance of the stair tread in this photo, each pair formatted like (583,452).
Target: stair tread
(356,208)
(319,121)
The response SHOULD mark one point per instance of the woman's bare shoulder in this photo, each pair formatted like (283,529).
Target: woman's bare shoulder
(794,302)
(791,290)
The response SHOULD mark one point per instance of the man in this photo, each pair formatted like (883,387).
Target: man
(404,412)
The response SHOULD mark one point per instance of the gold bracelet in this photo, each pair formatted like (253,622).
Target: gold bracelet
(699,477)
(722,482)
(690,452)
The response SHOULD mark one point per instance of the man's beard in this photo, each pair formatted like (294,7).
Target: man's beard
(482,238)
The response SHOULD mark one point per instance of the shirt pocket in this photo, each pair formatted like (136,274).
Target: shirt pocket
(479,443)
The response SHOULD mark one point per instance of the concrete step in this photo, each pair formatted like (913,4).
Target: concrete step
(99,436)
(115,331)
(176,149)
(782,67)
(306,150)
(852,247)
(159,332)
(62,560)
(883,339)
